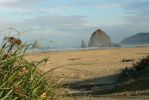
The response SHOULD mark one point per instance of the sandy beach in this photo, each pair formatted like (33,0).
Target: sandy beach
(87,64)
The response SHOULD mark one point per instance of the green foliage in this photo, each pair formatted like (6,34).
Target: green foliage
(19,79)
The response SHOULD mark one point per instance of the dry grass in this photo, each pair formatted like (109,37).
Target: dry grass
(80,65)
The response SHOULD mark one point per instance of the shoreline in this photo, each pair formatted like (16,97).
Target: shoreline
(81,49)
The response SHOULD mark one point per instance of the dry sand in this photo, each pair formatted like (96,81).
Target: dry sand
(90,64)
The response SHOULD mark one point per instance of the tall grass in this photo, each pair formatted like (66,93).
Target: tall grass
(19,78)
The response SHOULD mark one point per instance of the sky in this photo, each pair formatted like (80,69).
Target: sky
(68,22)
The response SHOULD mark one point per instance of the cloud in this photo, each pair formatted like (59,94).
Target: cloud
(35,7)
(138,12)
(64,30)
(6,1)
(20,3)
(95,3)
(56,22)
(68,22)
(135,18)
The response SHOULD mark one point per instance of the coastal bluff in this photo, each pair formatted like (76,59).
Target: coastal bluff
(137,39)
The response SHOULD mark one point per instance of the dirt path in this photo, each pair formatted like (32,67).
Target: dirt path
(109,98)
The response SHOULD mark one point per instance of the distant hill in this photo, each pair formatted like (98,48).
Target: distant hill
(138,39)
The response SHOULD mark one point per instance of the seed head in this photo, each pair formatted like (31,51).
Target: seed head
(13,40)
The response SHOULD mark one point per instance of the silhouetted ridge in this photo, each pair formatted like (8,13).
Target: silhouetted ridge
(138,39)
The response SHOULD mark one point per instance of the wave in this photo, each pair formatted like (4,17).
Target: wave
(67,49)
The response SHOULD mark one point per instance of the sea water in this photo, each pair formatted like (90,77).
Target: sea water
(67,49)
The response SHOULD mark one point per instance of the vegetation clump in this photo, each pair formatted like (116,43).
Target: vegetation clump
(133,80)
(139,70)
(19,78)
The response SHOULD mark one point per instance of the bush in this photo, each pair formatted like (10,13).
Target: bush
(143,63)
(138,70)
(19,79)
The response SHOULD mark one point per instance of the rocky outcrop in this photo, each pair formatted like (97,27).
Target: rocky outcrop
(83,44)
(138,39)
(36,44)
(100,39)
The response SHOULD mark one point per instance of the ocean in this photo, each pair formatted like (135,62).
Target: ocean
(67,49)
(30,50)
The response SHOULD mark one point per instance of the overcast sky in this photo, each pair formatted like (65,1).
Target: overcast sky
(67,22)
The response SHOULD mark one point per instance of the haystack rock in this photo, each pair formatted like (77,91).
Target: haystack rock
(100,39)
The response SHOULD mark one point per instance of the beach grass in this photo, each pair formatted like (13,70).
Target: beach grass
(19,78)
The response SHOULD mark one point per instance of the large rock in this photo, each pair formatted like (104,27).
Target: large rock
(100,39)
(83,44)
(36,44)
(138,39)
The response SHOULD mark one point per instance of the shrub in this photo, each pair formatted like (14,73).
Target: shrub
(143,63)
(138,70)
(19,79)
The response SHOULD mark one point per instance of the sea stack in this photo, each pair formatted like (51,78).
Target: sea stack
(83,44)
(36,44)
(100,39)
